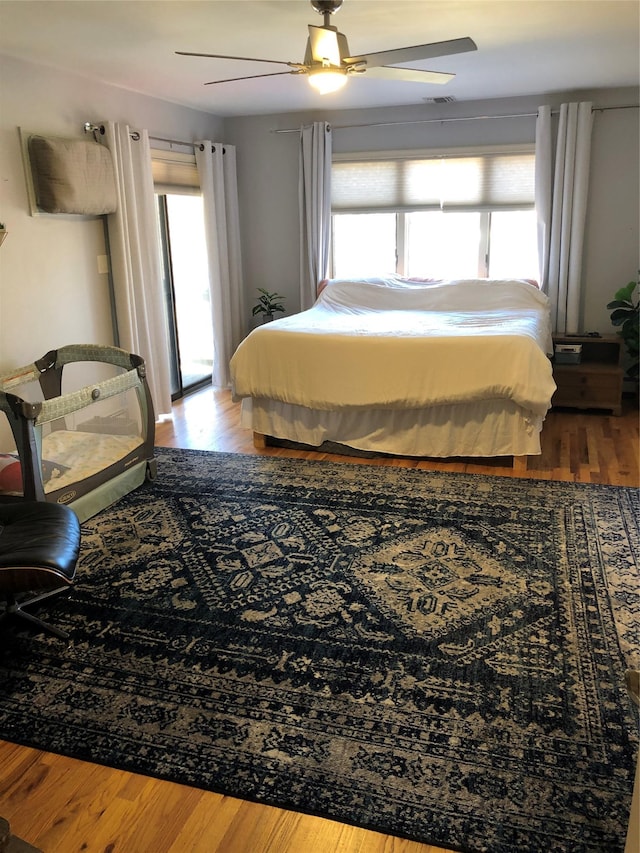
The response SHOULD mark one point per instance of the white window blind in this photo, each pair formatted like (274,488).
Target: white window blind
(486,181)
(174,172)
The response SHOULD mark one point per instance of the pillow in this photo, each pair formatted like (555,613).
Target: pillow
(11,472)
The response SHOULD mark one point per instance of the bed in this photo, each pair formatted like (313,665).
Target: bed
(86,447)
(405,367)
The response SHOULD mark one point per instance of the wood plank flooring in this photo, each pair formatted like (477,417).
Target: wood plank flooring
(62,805)
(587,447)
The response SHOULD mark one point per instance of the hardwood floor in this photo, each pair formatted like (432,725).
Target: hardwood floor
(63,806)
(586,447)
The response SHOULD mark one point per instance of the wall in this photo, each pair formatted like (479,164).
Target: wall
(50,290)
(268,180)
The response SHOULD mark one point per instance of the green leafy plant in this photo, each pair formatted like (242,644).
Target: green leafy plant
(268,303)
(624,313)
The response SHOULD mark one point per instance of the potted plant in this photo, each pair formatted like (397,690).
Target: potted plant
(624,313)
(3,233)
(268,304)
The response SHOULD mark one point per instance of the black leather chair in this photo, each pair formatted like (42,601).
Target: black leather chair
(39,547)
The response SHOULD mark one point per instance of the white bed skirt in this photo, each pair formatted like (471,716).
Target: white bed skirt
(489,428)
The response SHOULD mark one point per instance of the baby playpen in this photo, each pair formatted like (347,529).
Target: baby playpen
(85,438)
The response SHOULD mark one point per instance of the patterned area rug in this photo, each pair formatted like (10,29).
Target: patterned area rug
(435,656)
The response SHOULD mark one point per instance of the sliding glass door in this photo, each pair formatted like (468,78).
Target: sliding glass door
(186,286)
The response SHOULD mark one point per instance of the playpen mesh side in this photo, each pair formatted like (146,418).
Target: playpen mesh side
(50,410)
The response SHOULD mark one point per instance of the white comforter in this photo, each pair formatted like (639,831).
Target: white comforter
(391,343)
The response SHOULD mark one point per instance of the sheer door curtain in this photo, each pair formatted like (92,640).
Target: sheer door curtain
(216,164)
(135,261)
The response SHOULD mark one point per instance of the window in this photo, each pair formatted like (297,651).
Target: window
(443,245)
(436,215)
(364,244)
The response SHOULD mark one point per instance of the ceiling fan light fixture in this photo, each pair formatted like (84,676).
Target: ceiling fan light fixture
(327,79)
(328,61)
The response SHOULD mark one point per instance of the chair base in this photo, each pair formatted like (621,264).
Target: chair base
(16,608)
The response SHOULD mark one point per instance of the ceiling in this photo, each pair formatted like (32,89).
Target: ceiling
(525,47)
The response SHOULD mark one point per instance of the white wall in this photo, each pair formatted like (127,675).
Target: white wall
(612,229)
(51,293)
(268,181)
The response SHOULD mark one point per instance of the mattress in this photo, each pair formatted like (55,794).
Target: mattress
(71,456)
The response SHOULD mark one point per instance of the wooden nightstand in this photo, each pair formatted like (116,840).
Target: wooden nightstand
(595,383)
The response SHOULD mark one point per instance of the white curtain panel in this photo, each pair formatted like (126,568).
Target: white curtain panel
(543,190)
(562,184)
(217,171)
(314,197)
(135,261)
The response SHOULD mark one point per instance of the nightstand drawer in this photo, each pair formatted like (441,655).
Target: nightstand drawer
(586,397)
(580,380)
(588,390)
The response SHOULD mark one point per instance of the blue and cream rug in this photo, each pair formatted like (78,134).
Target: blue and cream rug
(435,656)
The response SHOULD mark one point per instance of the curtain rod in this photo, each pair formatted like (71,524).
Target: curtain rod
(446,120)
(194,145)
(173,141)
(90,127)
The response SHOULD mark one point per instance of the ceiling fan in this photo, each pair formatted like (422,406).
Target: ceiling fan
(328,64)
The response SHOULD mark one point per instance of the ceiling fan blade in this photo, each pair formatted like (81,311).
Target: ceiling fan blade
(243,58)
(408,75)
(250,77)
(415,53)
(324,45)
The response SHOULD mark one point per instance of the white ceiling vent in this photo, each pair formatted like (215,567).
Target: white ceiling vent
(449,99)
